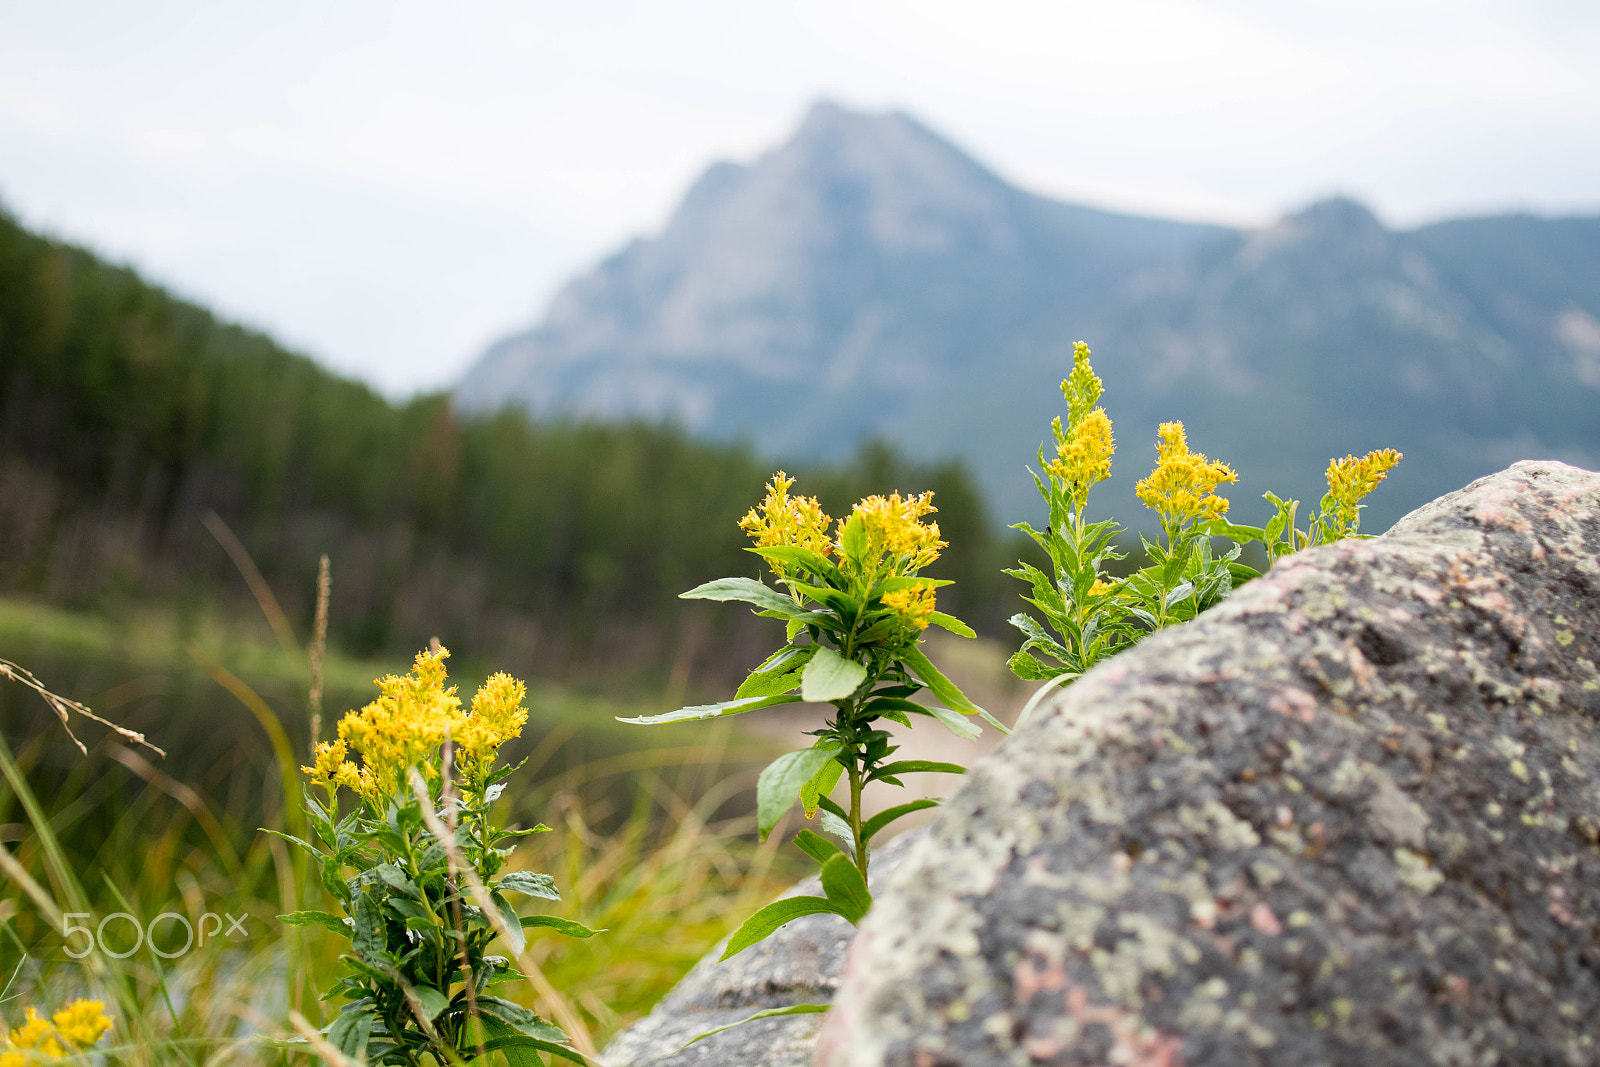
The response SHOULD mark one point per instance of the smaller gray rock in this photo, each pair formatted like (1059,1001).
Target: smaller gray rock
(800,964)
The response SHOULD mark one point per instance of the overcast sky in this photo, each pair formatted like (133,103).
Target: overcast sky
(389,186)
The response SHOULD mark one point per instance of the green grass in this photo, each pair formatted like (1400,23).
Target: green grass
(653,842)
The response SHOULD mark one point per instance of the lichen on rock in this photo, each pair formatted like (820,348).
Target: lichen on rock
(1350,816)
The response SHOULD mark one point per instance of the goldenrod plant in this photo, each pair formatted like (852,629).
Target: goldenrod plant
(1088,613)
(855,607)
(68,1036)
(417,866)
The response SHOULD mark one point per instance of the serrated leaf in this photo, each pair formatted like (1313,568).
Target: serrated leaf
(842,881)
(953,624)
(351,1032)
(316,918)
(829,676)
(853,538)
(1027,667)
(780,783)
(568,927)
(805,558)
(535,885)
(432,1001)
(368,937)
(763,923)
(712,711)
(746,589)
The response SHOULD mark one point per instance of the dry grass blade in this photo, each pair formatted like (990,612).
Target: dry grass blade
(319,648)
(65,707)
(252,578)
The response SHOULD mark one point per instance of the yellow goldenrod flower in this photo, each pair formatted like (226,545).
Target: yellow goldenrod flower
(82,1022)
(797,522)
(1350,479)
(407,723)
(1180,487)
(35,1034)
(894,528)
(1082,388)
(497,717)
(1083,456)
(914,605)
(1101,586)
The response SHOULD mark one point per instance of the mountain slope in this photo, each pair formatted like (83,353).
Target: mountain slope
(869,278)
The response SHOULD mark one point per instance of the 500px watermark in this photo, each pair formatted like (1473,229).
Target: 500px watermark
(211,926)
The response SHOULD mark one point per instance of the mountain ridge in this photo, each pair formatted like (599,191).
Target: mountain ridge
(868,278)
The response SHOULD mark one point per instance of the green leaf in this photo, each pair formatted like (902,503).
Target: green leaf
(395,878)
(842,881)
(762,685)
(829,676)
(782,780)
(316,918)
(1179,593)
(560,926)
(294,841)
(953,624)
(432,1001)
(520,1050)
(816,846)
(956,723)
(820,785)
(768,1013)
(351,1032)
(1031,669)
(521,1019)
(805,558)
(915,766)
(535,885)
(779,674)
(942,687)
(889,815)
(513,922)
(712,711)
(908,581)
(834,824)
(368,938)
(853,538)
(746,589)
(761,925)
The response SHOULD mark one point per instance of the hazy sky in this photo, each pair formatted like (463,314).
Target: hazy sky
(389,186)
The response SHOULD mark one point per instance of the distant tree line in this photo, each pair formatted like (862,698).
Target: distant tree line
(126,414)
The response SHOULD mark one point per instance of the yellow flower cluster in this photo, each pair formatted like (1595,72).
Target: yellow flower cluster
(798,522)
(497,716)
(410,720)
(1083,456)
(1082,388)
(76,1027)
(894,528)
(1084,447)
(914,605)
(1180,488)
(1350,479)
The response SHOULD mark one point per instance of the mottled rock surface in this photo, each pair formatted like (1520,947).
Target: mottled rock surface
(1349,817)
(799,964)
